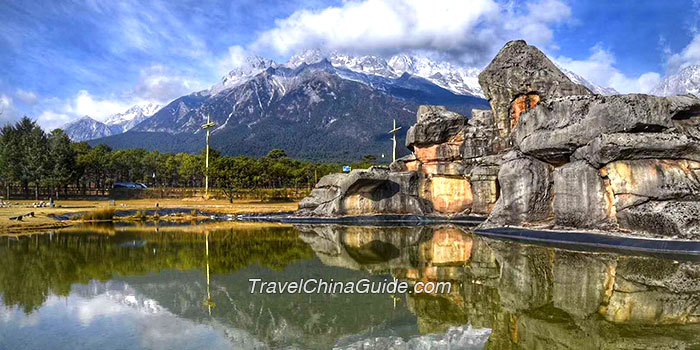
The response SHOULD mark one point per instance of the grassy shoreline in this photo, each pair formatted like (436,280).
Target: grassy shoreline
(43,217)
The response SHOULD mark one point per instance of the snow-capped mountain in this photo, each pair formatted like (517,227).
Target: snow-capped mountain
(325,107)
(686,81)
(123,122)
(460,80)
(453,77)
(596,89)
(87,128)
(252,66)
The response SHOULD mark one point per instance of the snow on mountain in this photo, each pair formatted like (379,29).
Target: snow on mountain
(686,81)
(252,66)
(305,57)
(455,78)
(460,80)
(122,122)
(87,128)
(596,89)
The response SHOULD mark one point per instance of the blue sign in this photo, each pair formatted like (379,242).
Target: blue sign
(346,168)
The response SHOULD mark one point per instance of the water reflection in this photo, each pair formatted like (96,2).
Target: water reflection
(531,297)
(188,287)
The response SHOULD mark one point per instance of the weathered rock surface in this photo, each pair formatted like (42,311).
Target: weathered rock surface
(581,198)
(635,181)
(447,194)
(435,125)
(485,188)
(526,191)
(607,148)
(672,219)
(518,78)
(556,128)
(372,191)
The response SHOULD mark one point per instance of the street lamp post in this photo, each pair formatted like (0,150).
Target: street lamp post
(206,127)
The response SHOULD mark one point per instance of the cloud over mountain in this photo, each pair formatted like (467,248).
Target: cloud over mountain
(470,31)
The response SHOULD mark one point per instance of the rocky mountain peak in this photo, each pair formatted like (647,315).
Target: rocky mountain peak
(86,128)
(252,66)
(309,56)
(686,81)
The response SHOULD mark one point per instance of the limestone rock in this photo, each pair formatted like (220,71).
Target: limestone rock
(684,107)
(523,74)
(327,189)
(480,136)
(485,188)
(361,192)
(449,168)
(448,194)
(435,125)
(581,198)
(635,181)
(526,193)
(554,129)
(607,148)
(549,151)
(663,218)
(405,163)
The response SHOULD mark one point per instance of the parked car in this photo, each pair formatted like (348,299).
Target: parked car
(130,185)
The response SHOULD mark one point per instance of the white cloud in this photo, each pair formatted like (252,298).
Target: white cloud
(471,30)
(57,113)
(161,85)
(235,58)
(690,55)
(8,114)
(27,97)
(50,120)
(600,69)
(86,104)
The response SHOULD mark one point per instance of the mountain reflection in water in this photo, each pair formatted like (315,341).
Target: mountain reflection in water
(187,288)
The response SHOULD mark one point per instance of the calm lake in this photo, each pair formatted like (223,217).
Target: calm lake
(188,288)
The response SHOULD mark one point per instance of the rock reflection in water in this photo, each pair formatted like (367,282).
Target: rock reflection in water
(531,297)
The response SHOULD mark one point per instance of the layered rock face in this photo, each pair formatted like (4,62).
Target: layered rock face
(548,153)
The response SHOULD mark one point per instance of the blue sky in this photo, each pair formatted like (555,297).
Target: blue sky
(65,59)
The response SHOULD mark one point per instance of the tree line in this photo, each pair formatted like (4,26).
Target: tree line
(35,161)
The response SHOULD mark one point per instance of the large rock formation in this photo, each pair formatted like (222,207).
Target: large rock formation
(549,153)
(518,79)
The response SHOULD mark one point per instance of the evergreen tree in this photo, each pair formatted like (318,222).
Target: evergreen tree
(62,160)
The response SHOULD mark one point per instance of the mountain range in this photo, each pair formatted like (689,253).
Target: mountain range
(314,106)
(87,128)
(312,109)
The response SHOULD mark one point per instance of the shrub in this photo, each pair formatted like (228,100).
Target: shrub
(99,215)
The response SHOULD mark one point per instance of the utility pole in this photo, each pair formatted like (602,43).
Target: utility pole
(393,138)
(206,127)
